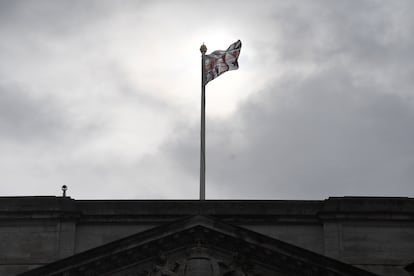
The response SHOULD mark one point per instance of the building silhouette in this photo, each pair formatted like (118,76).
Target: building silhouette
(337,236)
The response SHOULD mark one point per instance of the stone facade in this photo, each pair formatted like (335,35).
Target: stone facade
(375,234)
(198,246)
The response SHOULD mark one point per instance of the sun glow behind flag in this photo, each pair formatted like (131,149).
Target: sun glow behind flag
(220,61)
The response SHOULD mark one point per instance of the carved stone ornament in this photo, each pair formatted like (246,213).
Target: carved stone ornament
(199,262)
(162,267)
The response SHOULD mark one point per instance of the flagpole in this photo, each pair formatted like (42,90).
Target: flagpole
(203,50)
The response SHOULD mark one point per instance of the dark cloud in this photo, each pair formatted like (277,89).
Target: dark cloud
(27,118)
(321,136)
(368,34)
(57,18)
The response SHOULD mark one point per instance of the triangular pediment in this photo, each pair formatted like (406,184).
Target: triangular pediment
(199,246)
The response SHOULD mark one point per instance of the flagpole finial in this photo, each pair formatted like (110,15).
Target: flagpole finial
(203,48)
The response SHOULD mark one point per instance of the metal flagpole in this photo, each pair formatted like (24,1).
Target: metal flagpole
(203,50)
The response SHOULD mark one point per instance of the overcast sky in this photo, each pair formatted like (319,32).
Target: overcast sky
(104,97)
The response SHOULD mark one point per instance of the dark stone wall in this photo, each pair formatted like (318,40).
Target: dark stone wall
(373,233)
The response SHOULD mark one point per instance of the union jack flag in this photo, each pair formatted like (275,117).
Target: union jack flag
(220,61)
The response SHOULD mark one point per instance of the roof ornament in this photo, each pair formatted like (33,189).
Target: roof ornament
(64,189)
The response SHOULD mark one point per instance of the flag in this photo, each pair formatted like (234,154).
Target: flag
(220,61)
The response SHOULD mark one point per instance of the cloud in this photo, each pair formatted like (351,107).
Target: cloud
(323,136)
(103,96)
(27,119)
(337,121)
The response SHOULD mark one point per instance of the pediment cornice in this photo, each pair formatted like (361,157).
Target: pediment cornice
(171,249)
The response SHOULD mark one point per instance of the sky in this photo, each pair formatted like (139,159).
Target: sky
(104,97)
